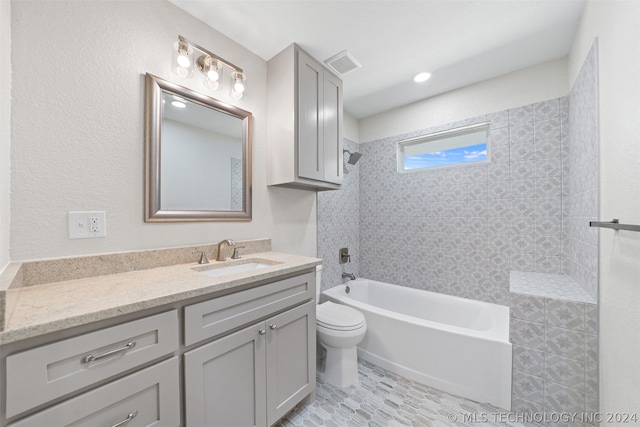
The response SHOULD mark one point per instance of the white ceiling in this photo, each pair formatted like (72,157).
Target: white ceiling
(460,42)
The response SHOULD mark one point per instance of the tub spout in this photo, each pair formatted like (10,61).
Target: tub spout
(349,276)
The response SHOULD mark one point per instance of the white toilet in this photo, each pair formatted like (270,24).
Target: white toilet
(340,329)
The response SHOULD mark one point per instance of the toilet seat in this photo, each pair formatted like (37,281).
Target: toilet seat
(339,317)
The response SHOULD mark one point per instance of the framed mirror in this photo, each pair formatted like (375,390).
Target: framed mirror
(197,156)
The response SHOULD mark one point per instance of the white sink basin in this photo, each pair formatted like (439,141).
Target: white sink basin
(216,271)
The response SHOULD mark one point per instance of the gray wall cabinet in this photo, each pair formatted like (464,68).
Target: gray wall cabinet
(304,122)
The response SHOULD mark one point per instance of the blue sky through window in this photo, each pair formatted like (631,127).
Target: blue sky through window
(453,156)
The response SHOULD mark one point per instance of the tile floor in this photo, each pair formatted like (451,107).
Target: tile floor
(382,399)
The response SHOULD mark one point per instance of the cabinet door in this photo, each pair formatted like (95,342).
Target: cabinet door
(149,397)
(225,381)
(310,119)
(332,133)
(291,359)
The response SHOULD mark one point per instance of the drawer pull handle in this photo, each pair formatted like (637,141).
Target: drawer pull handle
(91,357)
(131,416)
(273,326)
(262,332)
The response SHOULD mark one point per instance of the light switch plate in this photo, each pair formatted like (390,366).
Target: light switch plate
(87,225)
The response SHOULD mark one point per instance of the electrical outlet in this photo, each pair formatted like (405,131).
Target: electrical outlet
(86,225)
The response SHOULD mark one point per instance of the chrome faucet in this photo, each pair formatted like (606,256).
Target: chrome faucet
(222,245)
(349,276)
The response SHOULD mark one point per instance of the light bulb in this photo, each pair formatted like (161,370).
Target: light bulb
(183,59)
(213,75)
(238,87)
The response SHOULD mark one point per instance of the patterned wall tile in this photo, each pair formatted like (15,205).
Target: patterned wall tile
(549,167)
(528,361)
(498,120)
(562,398)
(548,148)
(523,170)
(565,314)
(591,318)
(528,387)
(591,379)
(565,342)
(498,172)
(591,349)
(549,187)
(521,115)
(547,110)
(546,129)
(565,371)
(527,307)
(528,334)
(524,407)
(521,152)
(549,207)
(522,244)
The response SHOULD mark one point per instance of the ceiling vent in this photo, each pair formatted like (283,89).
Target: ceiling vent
(342,63)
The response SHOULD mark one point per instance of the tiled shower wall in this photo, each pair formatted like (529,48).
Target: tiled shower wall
(339,224)
(555,344)
(580,200)
(460,230)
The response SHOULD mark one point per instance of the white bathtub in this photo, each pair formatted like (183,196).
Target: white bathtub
(457,345)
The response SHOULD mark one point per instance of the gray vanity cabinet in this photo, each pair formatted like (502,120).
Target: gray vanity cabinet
(304,122)
(248,357)
(225,381)
(149,397)
(255,375)
(291,359)
(57,373)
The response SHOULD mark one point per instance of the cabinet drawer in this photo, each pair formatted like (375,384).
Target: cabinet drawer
(149,397)
(44,373)
(219,315)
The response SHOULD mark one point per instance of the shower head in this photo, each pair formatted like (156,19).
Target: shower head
(353,157)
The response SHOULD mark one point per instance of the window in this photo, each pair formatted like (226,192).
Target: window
(460,146)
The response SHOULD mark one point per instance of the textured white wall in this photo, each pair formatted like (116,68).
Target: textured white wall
(5,129)
(528,86)
(351,127)
(617,27)
(77,122)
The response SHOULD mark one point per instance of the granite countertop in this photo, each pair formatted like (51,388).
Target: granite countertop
(40,309)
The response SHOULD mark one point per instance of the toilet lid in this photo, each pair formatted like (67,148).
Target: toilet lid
(338,317)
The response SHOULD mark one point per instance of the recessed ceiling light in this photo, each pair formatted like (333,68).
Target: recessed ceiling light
(178,104)
(421,77)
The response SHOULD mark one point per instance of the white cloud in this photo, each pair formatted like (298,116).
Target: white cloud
(475,154)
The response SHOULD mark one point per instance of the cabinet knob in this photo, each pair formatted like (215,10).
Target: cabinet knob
(262,332)
(273,326)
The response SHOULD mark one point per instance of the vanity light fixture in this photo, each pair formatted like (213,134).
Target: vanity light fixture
(210,66)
